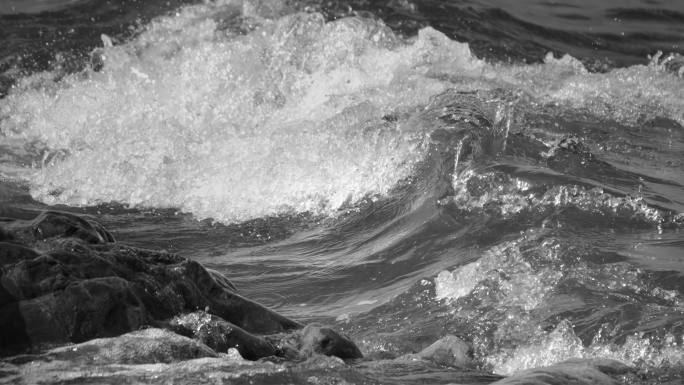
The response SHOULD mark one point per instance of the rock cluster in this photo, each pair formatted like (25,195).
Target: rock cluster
(64,279)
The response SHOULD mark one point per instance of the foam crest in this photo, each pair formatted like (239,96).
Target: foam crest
(193,115)
(222,112)
(623,94)
(509,196)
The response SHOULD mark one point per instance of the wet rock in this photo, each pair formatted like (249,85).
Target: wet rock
(222,280)
(448,351)
(576,371)
(64,279)
(321,340)
(221,335)
(54,224)
(139,347)
(13,253)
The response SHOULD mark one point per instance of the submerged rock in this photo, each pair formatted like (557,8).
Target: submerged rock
(221,335)
(64,279)
(448,351)
(576,371)
(145,346)
(321,340)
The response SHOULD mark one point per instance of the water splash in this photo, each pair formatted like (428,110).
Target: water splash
(504,273)
(509,196)
(562,344)
(515,289)
(287,118)
(238,110)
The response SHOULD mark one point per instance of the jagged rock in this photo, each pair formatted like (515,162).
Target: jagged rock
(221,335)
(13,253)
(575,371)
(54,224)
(63,279)
(317,339)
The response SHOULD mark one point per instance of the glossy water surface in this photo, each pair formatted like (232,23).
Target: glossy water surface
(401,170)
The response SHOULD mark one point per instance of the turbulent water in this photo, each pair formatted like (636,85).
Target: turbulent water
(509,173)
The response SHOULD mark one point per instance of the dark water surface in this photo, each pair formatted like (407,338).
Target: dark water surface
(507,172)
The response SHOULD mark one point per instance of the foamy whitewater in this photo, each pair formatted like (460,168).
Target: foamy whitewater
(395,184)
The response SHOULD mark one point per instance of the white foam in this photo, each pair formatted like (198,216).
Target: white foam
(522,287)
(517,286)
(624,94)
(562,344)
(286,118)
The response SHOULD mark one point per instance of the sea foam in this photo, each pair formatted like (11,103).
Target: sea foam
(228,114)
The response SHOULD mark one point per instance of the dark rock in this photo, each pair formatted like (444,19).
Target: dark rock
(221,335)
(13,252)
(98,307)
(322,340)
(5,235)
(53,224)
(222,280)
(63,279)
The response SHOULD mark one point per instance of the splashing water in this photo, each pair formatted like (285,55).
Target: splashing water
(284,117)
(532,210)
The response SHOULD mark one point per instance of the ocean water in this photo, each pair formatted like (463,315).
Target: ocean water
(508,172)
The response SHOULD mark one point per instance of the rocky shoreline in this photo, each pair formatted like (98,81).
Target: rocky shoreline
(75,305)
(66,280)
